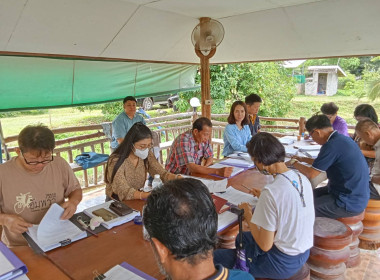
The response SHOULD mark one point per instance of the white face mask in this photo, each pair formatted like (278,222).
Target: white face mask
(143,154)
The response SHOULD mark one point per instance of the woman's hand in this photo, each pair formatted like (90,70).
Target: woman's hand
(15,223)
(247,211)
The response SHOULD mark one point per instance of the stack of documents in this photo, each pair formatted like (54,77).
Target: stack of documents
(11,267)
(241,155)
(53,232)
(238,163)
(125,271)
(236,170)
(286,140)
(212,185)
(119,220)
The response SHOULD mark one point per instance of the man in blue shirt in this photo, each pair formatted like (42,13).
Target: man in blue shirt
(347,192)
(253,102)
(181,224)
(124,121)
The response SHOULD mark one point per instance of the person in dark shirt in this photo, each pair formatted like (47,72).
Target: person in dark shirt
(347,192)
(253,102)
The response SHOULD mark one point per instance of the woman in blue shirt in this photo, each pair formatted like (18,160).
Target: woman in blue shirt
(237,133)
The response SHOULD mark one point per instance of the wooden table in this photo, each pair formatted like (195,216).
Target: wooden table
(123,243)
(40,267)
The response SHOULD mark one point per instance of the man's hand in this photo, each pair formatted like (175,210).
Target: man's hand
(15,223)
(224,172)
(255,192)
(70,208)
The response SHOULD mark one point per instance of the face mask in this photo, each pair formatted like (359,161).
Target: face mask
(143,154)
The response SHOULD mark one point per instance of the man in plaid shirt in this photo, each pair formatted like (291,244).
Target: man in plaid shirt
(191,152)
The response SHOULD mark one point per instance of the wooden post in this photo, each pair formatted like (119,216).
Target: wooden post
(205,75)
(302,125)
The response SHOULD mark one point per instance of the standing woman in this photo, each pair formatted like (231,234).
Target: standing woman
(281,227)
(128,165)
(237,132)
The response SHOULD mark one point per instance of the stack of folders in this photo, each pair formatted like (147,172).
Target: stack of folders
(11,267)
(111,219)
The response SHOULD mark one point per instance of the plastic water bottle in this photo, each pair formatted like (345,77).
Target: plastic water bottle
(303,136)
(156,181)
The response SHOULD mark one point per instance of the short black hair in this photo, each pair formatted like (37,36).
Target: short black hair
(37,138)
(329,108)
(252,98)
(182,216)
(129,98)
(266,149)
(201,122)
(367,111)
(317,122)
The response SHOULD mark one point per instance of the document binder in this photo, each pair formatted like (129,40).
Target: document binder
(11,266)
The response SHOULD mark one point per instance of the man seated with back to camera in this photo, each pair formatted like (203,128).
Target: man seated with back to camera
(181,224)
(191,152)
(347,192)
(368,131)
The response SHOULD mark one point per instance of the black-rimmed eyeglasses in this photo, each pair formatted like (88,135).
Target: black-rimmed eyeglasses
(38,162)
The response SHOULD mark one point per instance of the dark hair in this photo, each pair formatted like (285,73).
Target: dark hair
(366,110)
(182,216)
(329,108)
(137,132)
(252,98)
(317,122)
(201,122)
(266,149)
(37,138)
(129,98)
(231,118)
(365,125)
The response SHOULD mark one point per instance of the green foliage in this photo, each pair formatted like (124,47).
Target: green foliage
(23,113)
(110,109)
(231,82)
(374,89)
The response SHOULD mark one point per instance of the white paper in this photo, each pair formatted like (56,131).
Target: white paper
(237,197)
(214,186)
(286,140)
(304,148)
(236,170)
(240,155)
(225,219)
(52,230)
(290,151)
(120,273)
(237,162)
(311,154)
(115,222)
(5,266)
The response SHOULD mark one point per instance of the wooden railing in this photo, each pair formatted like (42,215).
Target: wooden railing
(167,128)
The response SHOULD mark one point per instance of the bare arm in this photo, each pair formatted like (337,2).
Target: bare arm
(369,154)
(14,223)
(263,237)
(208,161)
(376,179)
(309,172)
(195,168)
(304,159)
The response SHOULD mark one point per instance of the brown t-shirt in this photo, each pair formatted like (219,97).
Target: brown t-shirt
(30,195)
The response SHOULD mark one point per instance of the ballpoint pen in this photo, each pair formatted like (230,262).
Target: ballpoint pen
(85,226)
(245,187)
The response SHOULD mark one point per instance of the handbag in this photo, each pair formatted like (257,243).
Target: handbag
(91,159)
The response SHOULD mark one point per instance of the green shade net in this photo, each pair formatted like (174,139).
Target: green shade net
(34,82)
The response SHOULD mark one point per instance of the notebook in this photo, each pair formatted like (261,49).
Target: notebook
(125,271)
(11,266)
(52,232)
(119,220)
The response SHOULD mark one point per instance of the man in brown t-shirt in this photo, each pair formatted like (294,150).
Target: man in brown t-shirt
(31,182)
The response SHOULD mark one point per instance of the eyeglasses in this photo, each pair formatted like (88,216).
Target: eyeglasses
(38,162)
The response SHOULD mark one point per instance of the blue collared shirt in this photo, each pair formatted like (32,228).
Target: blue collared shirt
(121,125)
(235,139)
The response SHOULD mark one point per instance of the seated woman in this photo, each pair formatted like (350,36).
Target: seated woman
(127,167)
(361,112)
(237,132)
(331,111)
(281,227)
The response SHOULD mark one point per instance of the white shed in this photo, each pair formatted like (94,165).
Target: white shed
(324,80)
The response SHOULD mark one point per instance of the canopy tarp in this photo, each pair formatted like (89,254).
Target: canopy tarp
(160,30)
(33,82)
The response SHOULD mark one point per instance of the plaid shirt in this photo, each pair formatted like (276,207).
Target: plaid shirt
(185,150)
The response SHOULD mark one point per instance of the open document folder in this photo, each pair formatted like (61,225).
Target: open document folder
(11,267)
(53,232)
(125,271)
